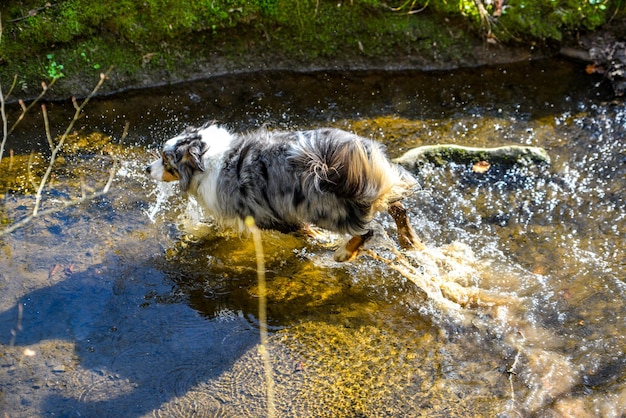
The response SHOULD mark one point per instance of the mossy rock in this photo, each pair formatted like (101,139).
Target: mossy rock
(442,154)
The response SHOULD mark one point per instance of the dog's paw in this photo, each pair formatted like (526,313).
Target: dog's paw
(343,254)
(409,241)
(350,249)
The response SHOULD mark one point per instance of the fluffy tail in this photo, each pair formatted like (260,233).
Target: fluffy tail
(351,167)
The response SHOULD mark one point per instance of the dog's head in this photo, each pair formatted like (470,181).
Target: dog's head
(181,158)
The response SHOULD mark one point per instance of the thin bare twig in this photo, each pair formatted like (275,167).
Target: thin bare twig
(260,260)
(44,88)
(511,372)
(410,11)
(483,14)
(55,149)
(3,113)
(5,122)
(65,204)
(34,12)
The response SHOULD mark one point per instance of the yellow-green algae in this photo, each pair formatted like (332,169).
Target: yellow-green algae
(23,172)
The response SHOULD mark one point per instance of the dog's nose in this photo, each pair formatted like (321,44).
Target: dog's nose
(148,168)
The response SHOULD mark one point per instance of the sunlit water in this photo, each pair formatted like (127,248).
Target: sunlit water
(135,304)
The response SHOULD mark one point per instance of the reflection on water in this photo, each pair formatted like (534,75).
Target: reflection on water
(136,305)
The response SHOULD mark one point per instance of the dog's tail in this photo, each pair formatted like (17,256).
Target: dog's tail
(351,167)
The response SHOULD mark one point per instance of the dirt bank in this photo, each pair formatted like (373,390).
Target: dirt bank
(213,64)
(160,50)
(357,38)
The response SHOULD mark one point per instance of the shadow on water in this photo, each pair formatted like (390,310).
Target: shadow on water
(108,333)
(136,305)
(134,354)
(115,326)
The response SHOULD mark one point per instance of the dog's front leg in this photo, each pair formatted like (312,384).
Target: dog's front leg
(350,250)
(406,235)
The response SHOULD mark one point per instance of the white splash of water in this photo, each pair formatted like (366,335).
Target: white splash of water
(163,192)
(193,216)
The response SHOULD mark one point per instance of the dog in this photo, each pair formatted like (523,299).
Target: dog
(290,180)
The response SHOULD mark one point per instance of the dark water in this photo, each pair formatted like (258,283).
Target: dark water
(134,304)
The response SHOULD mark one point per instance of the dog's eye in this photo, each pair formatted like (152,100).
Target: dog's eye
(169,168)
(166,163)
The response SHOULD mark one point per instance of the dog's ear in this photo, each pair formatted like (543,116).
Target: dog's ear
(193,155)
(189,160)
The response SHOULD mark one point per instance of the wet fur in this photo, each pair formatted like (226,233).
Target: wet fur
(288,180)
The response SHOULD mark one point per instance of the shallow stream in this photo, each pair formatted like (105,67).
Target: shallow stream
(134,304)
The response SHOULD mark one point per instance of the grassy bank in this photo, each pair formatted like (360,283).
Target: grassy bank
(160,41)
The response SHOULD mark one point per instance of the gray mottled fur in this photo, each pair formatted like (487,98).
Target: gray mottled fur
(286,180)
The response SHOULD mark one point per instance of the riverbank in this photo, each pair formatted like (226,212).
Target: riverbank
(147,46)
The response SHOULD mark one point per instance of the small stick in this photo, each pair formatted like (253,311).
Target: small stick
(260,262)
(511,372)
(55,149)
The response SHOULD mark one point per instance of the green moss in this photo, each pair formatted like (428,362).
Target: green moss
(551,19)
(70,37)
(531,19)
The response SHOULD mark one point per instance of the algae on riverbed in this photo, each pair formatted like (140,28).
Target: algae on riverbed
(98,294)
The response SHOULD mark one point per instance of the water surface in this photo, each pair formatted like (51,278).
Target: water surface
(135,304)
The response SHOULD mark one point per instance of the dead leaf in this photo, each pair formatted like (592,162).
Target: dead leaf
(481,167)
(594,69)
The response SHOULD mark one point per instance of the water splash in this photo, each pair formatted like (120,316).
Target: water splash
(163,192)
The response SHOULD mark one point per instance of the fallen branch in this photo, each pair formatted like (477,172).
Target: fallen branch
(33,12)
(55,148)
(5,122)
(442,154)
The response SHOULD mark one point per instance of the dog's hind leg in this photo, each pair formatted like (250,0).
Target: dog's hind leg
(351,248)
(406,235)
